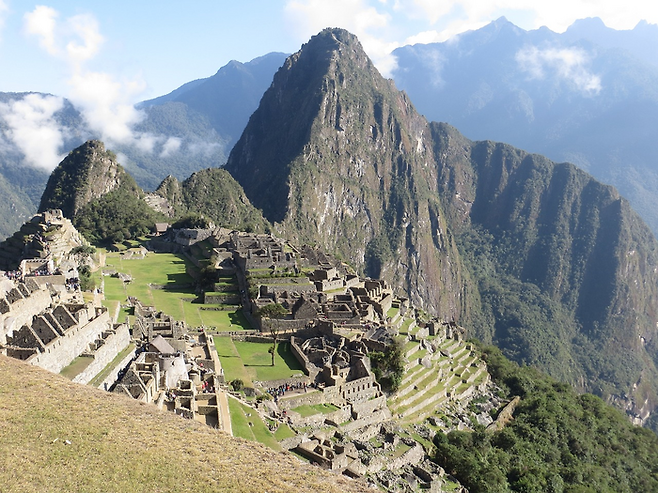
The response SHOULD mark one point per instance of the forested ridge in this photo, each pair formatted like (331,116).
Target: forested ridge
(557,441)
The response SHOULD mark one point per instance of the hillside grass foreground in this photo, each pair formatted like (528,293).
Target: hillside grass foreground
(59,436)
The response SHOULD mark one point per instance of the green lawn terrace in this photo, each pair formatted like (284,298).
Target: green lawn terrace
(166,282)
(251,361)
(441,370)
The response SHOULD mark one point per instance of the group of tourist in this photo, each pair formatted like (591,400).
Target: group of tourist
(73,284)
(207,387)
(281,390)
(14,275)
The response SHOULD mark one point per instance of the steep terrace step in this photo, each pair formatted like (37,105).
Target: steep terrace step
(430,397)
(425,384)
(408,325)
(408,386)
(417,356)
(450,345)
(411,347)
(430,408)
(411,374)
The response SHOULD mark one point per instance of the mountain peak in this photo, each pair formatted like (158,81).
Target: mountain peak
(588,26)
(88,172)
(336,156)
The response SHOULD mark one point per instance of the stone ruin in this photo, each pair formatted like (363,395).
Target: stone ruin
(173,369)
(151,323)
(54,336)
(339,372)
(48,235)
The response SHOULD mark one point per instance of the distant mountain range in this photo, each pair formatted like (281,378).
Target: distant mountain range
(588,96)
(202,119)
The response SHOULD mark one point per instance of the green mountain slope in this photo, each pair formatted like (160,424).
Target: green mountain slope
(214,193)
(535,256)
(556,441)
(106,205)
(98,195)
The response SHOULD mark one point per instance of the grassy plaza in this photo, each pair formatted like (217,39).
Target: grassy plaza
(163,280)
(249,361)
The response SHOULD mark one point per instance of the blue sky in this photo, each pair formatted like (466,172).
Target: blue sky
(106,56)
(151,47)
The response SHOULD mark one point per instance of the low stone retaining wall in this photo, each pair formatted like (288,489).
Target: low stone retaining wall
(113,376)
(310,398)
(103,356)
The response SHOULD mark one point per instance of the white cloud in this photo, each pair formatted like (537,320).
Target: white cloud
(171,146)
(75,40)
(311,16)
(106,106)
(568,64)
(33,129)
(105,102)
(88,33)
(41,22)
(203,148)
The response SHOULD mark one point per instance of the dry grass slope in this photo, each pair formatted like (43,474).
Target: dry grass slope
(119,445)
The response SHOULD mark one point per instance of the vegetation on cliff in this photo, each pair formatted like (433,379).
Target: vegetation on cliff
(534,256)
(98,195)
(215,194)
(558,441)
(106,205)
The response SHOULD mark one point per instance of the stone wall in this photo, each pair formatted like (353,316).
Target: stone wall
(292,381)
(112,378)
(215,364)
(21,312)
(219,298)
(310,398)
(54,279)
(377,417)
(361,409)
(296,287)
(63,350)
(360,390)
(412,456)
(103,356)
(335,418)
(282,325)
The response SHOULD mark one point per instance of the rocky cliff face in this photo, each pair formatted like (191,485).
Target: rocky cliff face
(565,271)
(535,256)
(335,155)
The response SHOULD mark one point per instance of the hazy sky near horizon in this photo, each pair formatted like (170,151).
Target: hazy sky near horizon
(106,56)
(144,49)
